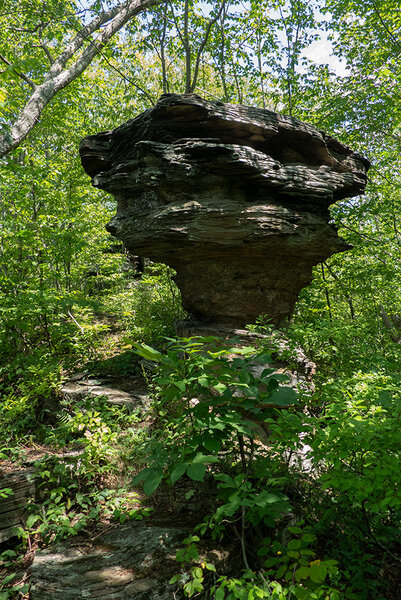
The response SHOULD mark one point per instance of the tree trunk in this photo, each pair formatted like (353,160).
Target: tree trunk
(60,75)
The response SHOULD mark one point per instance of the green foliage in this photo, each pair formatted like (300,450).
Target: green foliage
(11,586)
(9,590)
(251,586)
(359,441)
(210,400)
(239,494)
(213,400)
(210,409)
(65,298)
(302,576)
(65,511)
(72,492)
(193,568)
(147,308)
(293,564)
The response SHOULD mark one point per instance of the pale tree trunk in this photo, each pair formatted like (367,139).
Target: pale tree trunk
(82,50)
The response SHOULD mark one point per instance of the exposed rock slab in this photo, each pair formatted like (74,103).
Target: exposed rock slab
(132,562)
(13,506)
(234,198)
(129,394)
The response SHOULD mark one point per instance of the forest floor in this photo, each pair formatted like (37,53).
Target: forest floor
(91,531)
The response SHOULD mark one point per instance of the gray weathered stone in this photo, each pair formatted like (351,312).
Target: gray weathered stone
(13,506)
(234,198)
(132,562)
(129,394)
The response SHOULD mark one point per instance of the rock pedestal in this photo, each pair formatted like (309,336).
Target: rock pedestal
(234,198)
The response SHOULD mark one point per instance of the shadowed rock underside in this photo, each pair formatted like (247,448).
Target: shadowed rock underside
(234,198)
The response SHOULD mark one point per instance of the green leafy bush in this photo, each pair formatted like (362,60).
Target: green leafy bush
(358,442)
(210,401)
(147,308)
(215,403)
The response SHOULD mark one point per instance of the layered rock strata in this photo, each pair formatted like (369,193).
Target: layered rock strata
(234,198)
(13,505)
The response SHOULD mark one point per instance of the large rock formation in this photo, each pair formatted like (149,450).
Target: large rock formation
(234,198)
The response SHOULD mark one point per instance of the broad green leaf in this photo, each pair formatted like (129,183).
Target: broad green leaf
(302,573)
(178,472)
(283,396)
(8,578)
(245,351)
(308,537)
(294,529)
(220,387)
(181,385)
(301,593)
(212,444)
(220,593)
(294,544)
(31,520)
(270,562)
(152,482)
(317,573)
(196,471)
(204,458)
(147,352)
(281,571)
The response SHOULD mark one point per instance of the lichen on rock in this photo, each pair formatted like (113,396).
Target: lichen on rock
(234,198)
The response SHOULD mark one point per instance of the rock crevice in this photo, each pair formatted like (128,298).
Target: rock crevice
(234,198)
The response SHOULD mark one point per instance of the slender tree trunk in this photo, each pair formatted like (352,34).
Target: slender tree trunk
(203,45)
(347,296)
(223,59)
(187,49)
(391,324)
(165,82)
(260,67)
(326,291)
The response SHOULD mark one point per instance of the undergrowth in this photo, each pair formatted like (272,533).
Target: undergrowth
(303,487)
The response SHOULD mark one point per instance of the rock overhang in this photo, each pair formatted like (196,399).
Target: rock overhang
(234,198)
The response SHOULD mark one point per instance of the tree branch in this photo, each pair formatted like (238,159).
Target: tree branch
(203,44)
(385,27)
(128,79)
(43,46)
(175,21)
(46,50)
(21,75)
(187,49)
(60,76)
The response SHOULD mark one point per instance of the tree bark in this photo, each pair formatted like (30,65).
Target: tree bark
(60,75)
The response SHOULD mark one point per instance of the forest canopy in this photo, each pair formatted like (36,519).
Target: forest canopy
(71,69)
(70,296)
